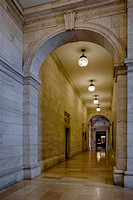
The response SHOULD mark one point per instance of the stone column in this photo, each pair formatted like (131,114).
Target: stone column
(121,124)
(128,179)
(30,128)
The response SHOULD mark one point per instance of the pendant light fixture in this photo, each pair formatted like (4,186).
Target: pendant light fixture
(95,101)
(83,61)
(91,87)
(98,108)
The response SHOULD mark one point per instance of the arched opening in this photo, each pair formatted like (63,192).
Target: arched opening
(92,33)
(99,133)
(55,101)
(64,89)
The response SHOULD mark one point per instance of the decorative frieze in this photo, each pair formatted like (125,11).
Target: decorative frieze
(101,11)
(84,14)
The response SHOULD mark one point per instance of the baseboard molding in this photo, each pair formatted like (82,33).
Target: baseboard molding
(32,171)
(128,179)
(74,153)
(50,162)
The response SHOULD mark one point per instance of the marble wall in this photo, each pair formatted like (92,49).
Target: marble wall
(11,101)
(11,41)
(11,123)
(56,96)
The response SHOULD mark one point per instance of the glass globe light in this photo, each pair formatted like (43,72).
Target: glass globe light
(98,108)
(91,87)
(95,101)
(83,61)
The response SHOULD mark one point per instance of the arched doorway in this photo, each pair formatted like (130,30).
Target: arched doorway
(100,136)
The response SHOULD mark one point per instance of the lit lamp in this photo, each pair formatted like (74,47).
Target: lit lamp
(98,108)
(83,61)
(91,87)
(95,101)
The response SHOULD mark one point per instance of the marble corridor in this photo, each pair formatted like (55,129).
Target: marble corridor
(87,176)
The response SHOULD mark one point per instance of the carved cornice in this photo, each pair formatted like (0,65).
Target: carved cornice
(119,70)
(51,17)
(43,22)
(102,10)
(83,13)
(16,14)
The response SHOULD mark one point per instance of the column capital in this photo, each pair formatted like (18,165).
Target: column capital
(30,79)
(119,69)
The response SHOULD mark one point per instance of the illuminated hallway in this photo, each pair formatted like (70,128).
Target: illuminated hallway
(66,71)
(86,168)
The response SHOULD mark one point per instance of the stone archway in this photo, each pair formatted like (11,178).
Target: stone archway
(33,61)
(99,123)
(91,32)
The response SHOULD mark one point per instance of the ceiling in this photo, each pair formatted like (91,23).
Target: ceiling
(99,69)
(31,3)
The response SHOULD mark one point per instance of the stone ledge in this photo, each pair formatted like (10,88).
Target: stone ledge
(9,71)
(129,64)
(128,179)
(128,173)
(10,171)
(11,177)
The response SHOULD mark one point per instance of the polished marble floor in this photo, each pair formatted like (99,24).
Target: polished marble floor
(87,176)
(87,168)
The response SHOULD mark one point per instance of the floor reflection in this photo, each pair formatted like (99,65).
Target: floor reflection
(101,155)
(87,167)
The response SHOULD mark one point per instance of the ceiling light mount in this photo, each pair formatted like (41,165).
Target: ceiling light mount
(83,61)
(91,87)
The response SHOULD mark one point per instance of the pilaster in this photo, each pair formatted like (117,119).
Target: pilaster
(120,74)
(128,178)
(30,127)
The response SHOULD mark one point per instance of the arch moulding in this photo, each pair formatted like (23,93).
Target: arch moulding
(100,115)
(51,40)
